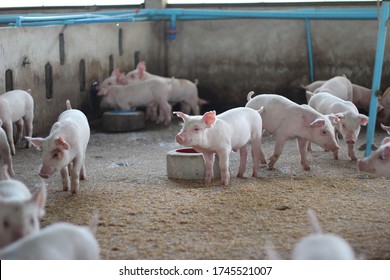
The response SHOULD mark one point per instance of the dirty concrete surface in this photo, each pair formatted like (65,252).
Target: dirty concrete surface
(145,215)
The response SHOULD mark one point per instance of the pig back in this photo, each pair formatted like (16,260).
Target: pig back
(339,86)
(13,190)
(73,121)
(18,103)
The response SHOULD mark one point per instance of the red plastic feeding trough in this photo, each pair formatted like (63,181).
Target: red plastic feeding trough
(188,164)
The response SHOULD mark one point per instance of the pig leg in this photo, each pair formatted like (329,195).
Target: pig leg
(28,123)
(209,162)
(256,156)
(75,178)
(8,128)
(279,144)
(243,156)
(185,108)
(83,172)
(302,146)
(166,111)
(7,159)
(351,152)
(19,131)
(65,179)
(309,147)
(224,165)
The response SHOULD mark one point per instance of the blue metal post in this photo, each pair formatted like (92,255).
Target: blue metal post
(309,49)
(380,50)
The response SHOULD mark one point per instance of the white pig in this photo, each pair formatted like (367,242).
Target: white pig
(229,131)
(183,90)
(322,246)
(19,210)
(379,161)
(348,120)
(65,146)
(138,94)
(5,151)
(17,106)
(288,120)
(339,86)
(60,241)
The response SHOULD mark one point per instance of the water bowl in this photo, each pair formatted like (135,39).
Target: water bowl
(123,121)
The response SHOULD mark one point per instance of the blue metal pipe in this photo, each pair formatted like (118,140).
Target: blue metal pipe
(380,50)
(309,49)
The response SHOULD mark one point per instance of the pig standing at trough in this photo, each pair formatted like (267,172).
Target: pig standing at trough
(322,246)
(288,120)
(17,106)
(348,120)
(5,152)
(229,131)
(183,91)
(379,161)
(60,241)
(19,210)
(138,94)
(65,148)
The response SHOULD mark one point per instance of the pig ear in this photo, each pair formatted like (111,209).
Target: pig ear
(37,142)
(386,140)
(121,79)
(386,152)
(59,141)
(181,115)
(39,199)
(317,123)
(115,72)
(209,118)
(340,115)
(333,118)
(141,67)
(363,119)
(387,128)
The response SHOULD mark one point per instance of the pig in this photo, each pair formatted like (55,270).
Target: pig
(183,91)
(220,134)
(379,161)
(17,106)
(19,210)
(348,121)
(322,246)
(59,241)
(138,94)
(383,116)
(339,86)
(287,120)
(5,151)
(65,148)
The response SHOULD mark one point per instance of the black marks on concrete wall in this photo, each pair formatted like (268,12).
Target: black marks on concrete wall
(82,75)
(62,48)
(9,81)
(137,57)
(110,64)
(120,41)
(49,81)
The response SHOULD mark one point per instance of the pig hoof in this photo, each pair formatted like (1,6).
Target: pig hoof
(353,159)
(65,189)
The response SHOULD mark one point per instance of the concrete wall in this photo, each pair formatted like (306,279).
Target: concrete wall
(229,57)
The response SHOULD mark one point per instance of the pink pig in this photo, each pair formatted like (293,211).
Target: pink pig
(220,134)
(5,152)
(339,86)
(17,106)
(379,161)
(349,120)
(288,120)
(138,94)
(65,147)
(183,90)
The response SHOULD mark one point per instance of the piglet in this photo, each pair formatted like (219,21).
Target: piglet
(19,210)
(348,121)
(59,241)
(138,94)
(339,86)
(17,106)
(5,152)
(287,120)
(220,134)
(322,246)
(65,146)
(379,161)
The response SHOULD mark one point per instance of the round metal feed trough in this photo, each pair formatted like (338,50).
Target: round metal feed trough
(188,164)
(123,121)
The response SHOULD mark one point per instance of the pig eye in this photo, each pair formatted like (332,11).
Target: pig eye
(324,132)
(381,157)
(55,156)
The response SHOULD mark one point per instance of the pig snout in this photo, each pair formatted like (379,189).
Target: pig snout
(44,176)
(350,141)
(362,165)
(180,139)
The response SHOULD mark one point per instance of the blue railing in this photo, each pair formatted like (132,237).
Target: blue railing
(173,15)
